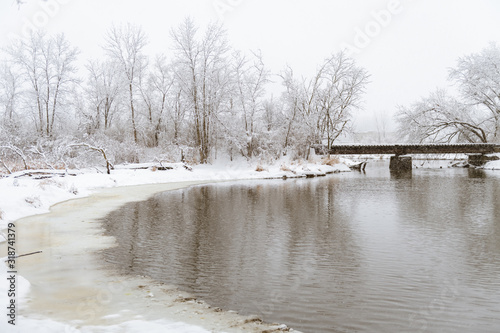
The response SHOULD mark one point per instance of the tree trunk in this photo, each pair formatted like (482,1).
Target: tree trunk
(134,129)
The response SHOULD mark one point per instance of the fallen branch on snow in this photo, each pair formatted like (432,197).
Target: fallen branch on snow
(41,174)
(22,255)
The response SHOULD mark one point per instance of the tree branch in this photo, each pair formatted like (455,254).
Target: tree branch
(109,165)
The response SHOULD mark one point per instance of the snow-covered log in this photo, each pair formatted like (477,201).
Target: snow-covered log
(41,174)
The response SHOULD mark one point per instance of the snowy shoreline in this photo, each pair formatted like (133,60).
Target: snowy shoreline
(27,197)
(23,199)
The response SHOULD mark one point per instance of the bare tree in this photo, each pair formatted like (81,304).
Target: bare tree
(9,92)
(478,77)
(250,79)
(323,105)
(203,73)
(125,45)
(177,114)
(47,64)
(269,116)
(381,124)
(475,117)
(155,94)
(341,89)
(291,100)
(103,91)
(441,118)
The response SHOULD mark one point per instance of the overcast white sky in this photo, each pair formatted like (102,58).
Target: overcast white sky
(407,47)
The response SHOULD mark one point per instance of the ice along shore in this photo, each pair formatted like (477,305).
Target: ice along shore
(67,289)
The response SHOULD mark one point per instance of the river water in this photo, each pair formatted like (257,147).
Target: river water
(351,252)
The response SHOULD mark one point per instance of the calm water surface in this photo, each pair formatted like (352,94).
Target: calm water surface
(344,253)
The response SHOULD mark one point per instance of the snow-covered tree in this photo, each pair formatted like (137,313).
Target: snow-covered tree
(321,107)
(474,116)
(206,97)
(157,98)
(441,118)
(340,93)
(125,46)
(478,77)
(250,78)
(292,98)
(381,124)
(9,94)
(103,94)
(203,73)
(47,68)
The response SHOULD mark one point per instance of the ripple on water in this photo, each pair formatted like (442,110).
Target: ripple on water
(350,253)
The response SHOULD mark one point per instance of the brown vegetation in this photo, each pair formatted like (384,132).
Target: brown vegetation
(332,160)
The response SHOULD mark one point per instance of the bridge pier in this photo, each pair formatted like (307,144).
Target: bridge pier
(480,159)
(400,163)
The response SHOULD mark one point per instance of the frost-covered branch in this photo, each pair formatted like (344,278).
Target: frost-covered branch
(18,152)
(324,103)
(9,171)
(441,118)
(478,78)
(109,165)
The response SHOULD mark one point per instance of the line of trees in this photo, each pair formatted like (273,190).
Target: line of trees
(204,98)
(473,116)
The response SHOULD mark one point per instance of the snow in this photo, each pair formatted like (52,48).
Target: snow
(493,165)
(133,326)
(24,324)
(25,196)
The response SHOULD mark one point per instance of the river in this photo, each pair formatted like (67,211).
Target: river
(351,252)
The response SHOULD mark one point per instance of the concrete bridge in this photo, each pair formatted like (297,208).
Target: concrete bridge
(476,151)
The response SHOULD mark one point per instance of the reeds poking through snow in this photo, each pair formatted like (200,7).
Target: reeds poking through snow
(332,160)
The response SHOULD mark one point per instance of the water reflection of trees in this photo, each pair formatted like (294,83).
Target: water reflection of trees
(340,244)
(250,247)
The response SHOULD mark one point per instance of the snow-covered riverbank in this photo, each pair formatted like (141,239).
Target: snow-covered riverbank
(493,165)
(26,196)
